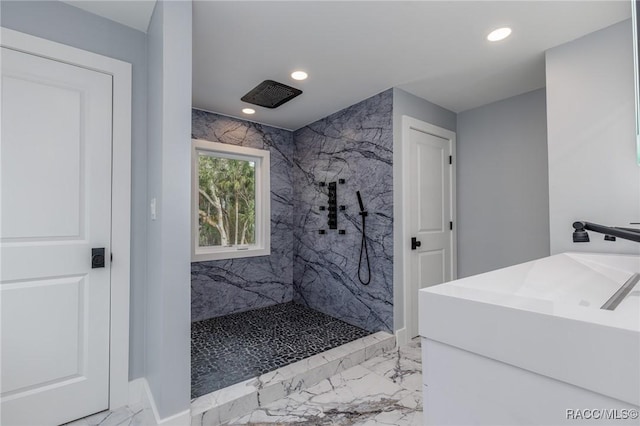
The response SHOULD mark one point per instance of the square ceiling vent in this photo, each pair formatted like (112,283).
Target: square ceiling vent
(270,94)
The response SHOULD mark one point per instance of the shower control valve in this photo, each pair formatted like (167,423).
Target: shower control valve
(333,206)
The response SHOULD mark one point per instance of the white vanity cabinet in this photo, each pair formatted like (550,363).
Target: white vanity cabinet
(529,344)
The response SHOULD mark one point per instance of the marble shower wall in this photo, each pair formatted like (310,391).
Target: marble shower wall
(355,144)
(226,286)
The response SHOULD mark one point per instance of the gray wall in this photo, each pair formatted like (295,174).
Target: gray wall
(593,174)
(502,184)
(407,104)
(234,285)
(355,144)
(69,25)
(167,332)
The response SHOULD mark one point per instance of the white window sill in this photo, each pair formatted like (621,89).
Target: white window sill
(203,255)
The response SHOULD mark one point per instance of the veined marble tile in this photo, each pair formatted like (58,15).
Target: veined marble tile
(355,144)
(130,416)
(217,415)
(396,418)
(305,373)
(97,418)
(227,286)
(300,377)
(354,396)
(239,399)
(353,385)
(403,366)
(383,344)
(224,397)
(358,396)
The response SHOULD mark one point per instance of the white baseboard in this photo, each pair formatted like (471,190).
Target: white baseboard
(401,337)
(181,419)
(140,393)
(137,391)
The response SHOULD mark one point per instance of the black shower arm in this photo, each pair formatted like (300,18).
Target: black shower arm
(624,233)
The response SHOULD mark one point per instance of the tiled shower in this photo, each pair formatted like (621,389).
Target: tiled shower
(310,273)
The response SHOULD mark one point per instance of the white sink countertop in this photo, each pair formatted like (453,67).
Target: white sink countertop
(545,316)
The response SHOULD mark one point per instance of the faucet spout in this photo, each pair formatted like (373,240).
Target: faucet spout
(580,234)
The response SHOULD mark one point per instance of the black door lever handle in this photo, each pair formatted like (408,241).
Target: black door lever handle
(415,243)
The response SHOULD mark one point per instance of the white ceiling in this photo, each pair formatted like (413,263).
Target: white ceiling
(354,49)
(135,14)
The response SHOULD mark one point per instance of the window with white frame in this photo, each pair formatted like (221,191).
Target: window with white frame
(230,201)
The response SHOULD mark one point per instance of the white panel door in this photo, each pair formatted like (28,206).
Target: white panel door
(429,184)
(55,162)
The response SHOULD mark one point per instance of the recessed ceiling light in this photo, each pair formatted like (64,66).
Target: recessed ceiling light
(499,34)
(249,110)
(299,75)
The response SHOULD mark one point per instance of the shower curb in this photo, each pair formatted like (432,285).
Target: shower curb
(225,404)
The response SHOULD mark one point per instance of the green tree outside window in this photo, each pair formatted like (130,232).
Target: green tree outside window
(227,199)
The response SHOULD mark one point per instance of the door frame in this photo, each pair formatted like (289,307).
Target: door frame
(120,192)
(402,233)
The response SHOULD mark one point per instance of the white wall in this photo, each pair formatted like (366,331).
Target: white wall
(167,326)
(593,174)
(69,25)
(503,193)
(407,104)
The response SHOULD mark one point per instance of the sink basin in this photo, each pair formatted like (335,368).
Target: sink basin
(585,280)
(570,285)
(544,316)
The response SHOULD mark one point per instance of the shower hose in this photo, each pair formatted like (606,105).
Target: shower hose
(363,245)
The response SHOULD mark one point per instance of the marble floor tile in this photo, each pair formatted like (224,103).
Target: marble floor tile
(381,391)
(242,398)
(402,366)
(125,416)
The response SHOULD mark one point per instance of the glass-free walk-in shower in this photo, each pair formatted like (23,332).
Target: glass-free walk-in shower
(252,315)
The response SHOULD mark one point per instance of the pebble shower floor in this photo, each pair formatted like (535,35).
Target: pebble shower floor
(232,348)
